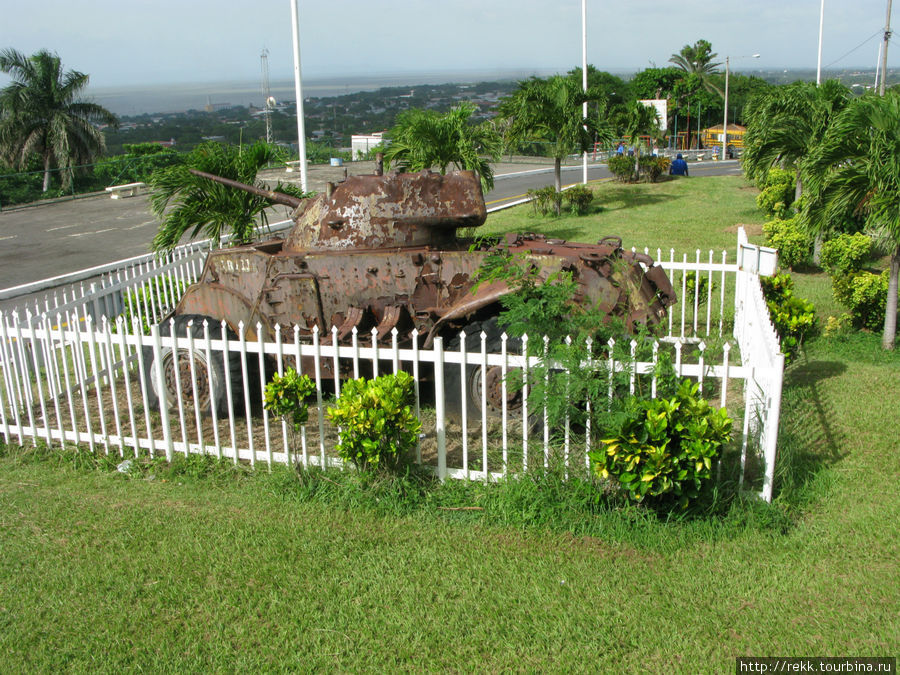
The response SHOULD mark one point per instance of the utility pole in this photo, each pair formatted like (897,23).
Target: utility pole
(887,37)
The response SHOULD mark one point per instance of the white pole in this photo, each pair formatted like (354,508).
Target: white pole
(298,89)
(821,25)
(725,123)
(584,81)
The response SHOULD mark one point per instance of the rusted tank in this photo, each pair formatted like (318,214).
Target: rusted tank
(381,251)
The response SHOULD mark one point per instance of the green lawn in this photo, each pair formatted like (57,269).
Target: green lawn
(683,214)
(198,567)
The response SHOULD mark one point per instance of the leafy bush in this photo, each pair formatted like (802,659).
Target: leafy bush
(622,168)
(545,201)
(793,244)
(377,425)
(652,166)
(140,302)
(136,165)
(702,288)
(664,447)
(567,391)
(846,253)
(865,295)
(285,396)
(579,198)
(793,317)
(777,193)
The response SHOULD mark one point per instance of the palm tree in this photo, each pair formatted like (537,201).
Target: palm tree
(696,60)
(856,168)
(42,113)
(184,201)
(422,139)
(550,111)
(785,124)
(642,120)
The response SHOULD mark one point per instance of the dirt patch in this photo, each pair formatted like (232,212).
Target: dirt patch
(752,229)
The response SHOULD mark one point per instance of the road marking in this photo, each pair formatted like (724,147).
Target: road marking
(84,234)
(61,227)
(12,236)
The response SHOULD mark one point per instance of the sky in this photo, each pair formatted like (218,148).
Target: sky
(122,43)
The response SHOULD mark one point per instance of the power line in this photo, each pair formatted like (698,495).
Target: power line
(880,31)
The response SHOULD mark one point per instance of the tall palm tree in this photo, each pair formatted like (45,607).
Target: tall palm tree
(422,139)
(696,60)
(183,201)
(785,124)
(642,120)
(550,111)
(42,113)
(856,168)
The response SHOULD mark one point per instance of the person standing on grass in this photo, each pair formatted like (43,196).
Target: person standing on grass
(679,167)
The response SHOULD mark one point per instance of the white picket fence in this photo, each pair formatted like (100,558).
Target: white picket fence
(73,373)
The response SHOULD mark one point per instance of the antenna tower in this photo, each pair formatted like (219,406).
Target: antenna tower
(267,97)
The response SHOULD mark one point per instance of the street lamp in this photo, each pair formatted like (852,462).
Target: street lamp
(725,123)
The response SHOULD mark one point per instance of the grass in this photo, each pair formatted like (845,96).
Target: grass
(681,214)
(200,566)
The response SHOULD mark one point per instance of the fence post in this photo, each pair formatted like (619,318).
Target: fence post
(439,408)
(771,426)
(163,402)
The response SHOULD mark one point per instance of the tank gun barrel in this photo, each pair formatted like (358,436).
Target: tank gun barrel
(277,197)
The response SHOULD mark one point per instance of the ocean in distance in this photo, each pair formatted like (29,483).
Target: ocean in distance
(150,99)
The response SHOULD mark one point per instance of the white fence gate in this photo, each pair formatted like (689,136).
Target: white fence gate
(74,372)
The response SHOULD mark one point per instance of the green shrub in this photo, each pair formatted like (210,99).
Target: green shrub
(702,288)
(664,448)
(793,317)
(652,167)
(846,253)
(578,198)
(865,295)
(140,302)
(377,425)
(622,168)
(777,193)
(793,244)
(285,396)
(545,201)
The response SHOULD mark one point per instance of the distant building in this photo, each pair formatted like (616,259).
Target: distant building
(166,144)
(360,144)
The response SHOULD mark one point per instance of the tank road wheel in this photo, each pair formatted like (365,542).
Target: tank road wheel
(203,368)
(475,379)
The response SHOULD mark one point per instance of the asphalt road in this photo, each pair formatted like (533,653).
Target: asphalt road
(67,236)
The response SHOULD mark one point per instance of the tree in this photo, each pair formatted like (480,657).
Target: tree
(785,124)
(696,60)
(42,113)
(183,201)
(642,120)
(551,111)
(422,139)
(856,168)
(655,82)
